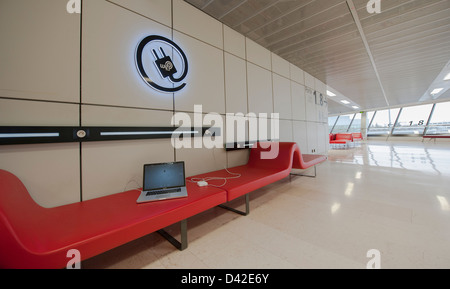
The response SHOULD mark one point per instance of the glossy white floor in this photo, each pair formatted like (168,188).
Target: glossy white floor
(393,197)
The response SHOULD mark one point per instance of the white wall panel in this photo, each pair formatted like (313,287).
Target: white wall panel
(286,134)
(258,55)
(205,81)
(116,166)
(210,160)
(311,110)
(158,10)
(50,172)
(39,51)
(298,101)
(280,66)
(197,156)
(195,23)
(297,74)
(235,84)
(282,96)
(320,86)
(322,113)
(322,137)
(93,115)
(111,167)
(300,135)
(237,158)
(234,42)
(262,129)
(236,128)
(310,81)
(260,98)
(110,37)
(37,113)
(312,137)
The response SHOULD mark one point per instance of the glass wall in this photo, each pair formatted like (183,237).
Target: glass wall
(428,119)
(413,120)
(356,124)
(383,122)
(343,123)
(331,123)
(440,120)
(369,117)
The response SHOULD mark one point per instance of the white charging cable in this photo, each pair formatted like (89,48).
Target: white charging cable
(201,181)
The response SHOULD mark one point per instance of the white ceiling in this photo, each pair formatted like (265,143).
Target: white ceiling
(375,60)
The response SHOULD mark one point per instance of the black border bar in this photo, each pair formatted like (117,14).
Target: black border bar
(243,145)
(15,135)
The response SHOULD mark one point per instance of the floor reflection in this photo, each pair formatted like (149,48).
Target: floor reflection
(409,156)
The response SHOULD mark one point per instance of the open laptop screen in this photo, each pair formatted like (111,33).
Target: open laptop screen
(165,175)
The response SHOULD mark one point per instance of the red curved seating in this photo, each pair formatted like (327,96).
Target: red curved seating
(342,139)
(37,237)
(259,172)
(357,136)
(344,136)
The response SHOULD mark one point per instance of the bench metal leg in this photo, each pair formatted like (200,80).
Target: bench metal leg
(184,241)
(247,207)
(309,176)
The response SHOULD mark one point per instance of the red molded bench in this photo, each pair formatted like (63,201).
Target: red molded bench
(430,136)
(357,136)
(342,138)
(37,237)
(259,172)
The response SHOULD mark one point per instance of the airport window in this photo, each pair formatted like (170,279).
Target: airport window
(343,123)
(331,122)
(428,119)
(383,122)
(369,117)
(356,124)
(440,120)
(412,120)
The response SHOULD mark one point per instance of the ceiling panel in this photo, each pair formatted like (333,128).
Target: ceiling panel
(410,45)
(409,41)
(337,108)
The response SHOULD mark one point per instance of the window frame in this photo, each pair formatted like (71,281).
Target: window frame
(391,129)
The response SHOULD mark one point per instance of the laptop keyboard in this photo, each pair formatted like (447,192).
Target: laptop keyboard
(177,190)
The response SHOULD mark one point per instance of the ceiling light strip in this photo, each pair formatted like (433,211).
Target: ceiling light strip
(447,77)
(352,8)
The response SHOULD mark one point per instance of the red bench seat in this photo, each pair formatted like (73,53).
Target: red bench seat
(341,139)
(357,136)
(436,136)
(37,237)
(259,172)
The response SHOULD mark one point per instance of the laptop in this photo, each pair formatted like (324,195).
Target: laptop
(163,181)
